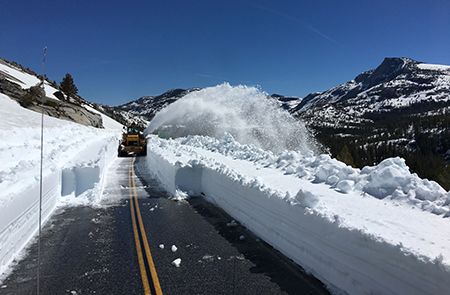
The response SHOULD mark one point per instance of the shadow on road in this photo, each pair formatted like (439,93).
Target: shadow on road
(289,276)
(284,272)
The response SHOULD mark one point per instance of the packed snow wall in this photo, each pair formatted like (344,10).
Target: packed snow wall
(348,259)
(20,216)
(78,181)
(344,258)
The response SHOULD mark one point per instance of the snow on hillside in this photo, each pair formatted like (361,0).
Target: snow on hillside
(379,230)
(397,83)
(25,80)
(433,67)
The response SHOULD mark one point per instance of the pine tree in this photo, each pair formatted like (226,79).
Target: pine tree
(68,87)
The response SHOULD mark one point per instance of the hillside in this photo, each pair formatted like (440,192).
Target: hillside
(23,85)
(401,108)
(148,106)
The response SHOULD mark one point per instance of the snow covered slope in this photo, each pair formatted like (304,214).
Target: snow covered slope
(398,83)
(25,80)
(16,80)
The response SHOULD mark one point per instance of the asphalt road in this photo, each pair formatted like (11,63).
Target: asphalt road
(88,250)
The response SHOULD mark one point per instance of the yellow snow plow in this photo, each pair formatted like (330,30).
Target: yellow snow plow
(133,142)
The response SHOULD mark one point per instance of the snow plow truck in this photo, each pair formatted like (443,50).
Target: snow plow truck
(133,142)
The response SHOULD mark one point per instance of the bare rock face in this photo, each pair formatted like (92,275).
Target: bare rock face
(10,89)
(70,112)
(60,109)
(82,116)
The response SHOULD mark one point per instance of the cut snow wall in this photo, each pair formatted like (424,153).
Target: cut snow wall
(163,171)
(19,219)
(77,180)
(189,179)
(87,172)
(350,260)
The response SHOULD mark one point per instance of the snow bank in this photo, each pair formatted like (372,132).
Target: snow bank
(75,160)
(376,230)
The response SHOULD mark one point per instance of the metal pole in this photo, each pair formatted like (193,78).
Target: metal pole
(40,184)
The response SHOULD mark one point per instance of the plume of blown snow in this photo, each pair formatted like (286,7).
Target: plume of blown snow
(242,111)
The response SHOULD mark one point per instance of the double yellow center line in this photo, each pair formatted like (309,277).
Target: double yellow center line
(133,199)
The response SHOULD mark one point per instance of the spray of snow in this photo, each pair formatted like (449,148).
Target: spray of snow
(244,112)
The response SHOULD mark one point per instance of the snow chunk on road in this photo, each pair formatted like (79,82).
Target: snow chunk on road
(177,262)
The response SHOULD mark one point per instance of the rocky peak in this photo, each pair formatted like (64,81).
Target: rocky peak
(389,69)
(396,82)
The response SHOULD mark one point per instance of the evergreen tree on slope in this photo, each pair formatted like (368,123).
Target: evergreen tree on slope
(68,87)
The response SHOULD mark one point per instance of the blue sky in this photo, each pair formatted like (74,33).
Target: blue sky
(118,51)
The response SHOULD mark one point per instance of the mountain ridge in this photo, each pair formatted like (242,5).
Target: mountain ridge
(408,76)
(140,106)
(399,108)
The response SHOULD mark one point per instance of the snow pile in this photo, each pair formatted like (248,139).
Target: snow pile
(75,159)
(391,179)
(376,230)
